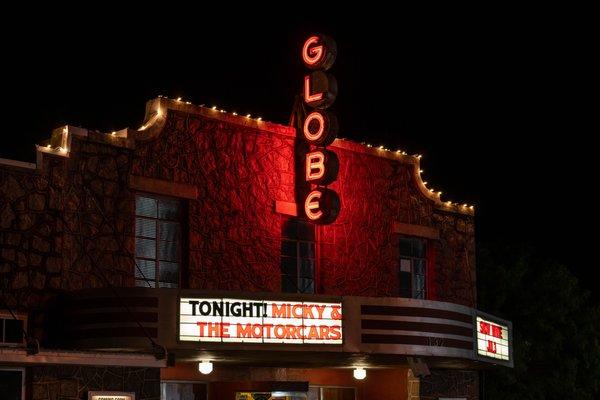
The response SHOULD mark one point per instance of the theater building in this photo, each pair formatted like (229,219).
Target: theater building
(176,261)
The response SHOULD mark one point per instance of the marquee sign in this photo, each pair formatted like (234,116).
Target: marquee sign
(259,321)
(492,339)
(321,205)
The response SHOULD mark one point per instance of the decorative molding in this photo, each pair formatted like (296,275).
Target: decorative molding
(157,113)
(17,164)
(156,116)
(416,230)
(159,186)
(20,356)
(415,162)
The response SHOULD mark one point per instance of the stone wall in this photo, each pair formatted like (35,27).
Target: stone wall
(234,235)
(239,172)
(31,244)
(360,250)
(69,224)
(66,225)
(455,259)
(67,382)
(450,383)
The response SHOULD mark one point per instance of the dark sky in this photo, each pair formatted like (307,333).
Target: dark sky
(499,103)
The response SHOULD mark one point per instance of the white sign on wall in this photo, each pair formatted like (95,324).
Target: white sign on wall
(259,321)
(95,395)
(492,339)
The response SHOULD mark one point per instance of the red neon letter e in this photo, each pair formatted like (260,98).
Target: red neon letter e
(311,204)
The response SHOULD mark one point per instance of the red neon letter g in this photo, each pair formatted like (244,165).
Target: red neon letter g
(312,55)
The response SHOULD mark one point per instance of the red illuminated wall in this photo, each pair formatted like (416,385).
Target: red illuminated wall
(234,233)
(54,219)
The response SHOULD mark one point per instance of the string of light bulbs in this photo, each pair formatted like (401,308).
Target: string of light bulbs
(436,196)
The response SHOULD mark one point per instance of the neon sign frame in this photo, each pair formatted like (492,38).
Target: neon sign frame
(319,129)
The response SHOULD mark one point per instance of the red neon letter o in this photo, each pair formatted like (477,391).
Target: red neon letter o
(318,117)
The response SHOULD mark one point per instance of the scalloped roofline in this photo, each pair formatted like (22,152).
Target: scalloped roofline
(155,119)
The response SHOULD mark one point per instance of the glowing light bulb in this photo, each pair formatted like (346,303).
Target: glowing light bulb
(360,373)
(247,115)
(214,107)
(178,99)
(205,367)
(380,147)
(113,133)
(259,119)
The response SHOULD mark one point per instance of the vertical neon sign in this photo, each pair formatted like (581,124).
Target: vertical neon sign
(321,205)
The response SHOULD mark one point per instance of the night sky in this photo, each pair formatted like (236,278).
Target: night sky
(499,105)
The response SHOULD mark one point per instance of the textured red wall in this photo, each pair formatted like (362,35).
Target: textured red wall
(54,220)
(234,233)
(359,250)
